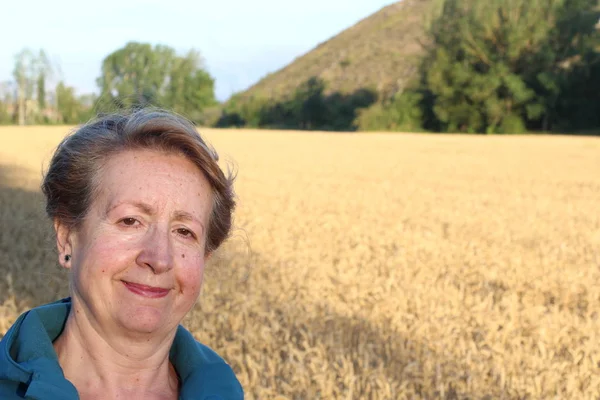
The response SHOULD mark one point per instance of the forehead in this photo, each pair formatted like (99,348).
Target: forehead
(154,177)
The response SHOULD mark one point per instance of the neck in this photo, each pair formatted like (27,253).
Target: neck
(115,366)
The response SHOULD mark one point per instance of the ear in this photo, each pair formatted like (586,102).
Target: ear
(64,242)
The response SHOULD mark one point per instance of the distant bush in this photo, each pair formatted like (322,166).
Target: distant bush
(403,113)
(512,124)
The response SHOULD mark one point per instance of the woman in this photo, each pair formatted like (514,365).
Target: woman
(139,204)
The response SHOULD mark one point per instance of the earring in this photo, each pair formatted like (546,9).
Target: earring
(67,257)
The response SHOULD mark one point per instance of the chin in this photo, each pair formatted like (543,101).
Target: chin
(143,319)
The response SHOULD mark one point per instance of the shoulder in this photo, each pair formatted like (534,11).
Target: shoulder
(28,364)
(204,374)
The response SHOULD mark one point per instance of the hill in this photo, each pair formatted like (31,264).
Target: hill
(369,61)
(379,52)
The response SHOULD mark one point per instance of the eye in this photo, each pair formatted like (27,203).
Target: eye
(129,221)
(185,233)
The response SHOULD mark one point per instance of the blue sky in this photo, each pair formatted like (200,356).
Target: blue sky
(241,41)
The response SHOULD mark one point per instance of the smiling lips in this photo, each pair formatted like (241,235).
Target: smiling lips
(146,291)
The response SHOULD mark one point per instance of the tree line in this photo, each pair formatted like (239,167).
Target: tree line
(136,75)
(494,66)
(308,108)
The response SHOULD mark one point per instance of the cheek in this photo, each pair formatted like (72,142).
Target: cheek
(107,254)
(191,271)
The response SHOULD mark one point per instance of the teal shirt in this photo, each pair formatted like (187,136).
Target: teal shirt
(29,367)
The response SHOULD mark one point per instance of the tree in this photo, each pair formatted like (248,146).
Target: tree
(71,108)
(6,102)
(309,104)
(570,88)
(190,89)
(43,70)
(135,74)
(139,74)
(24,73)
(495,66)
(30,73)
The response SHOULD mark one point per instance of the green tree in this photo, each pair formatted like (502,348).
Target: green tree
(247,112)
(309,104)
(190,88)
(72,109)
(495,65)
(135,74)
(139,75)
(570,87)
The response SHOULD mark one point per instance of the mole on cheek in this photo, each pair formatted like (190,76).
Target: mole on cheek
(183,256)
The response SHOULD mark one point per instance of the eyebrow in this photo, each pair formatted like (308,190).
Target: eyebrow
(146,208)
(186,216)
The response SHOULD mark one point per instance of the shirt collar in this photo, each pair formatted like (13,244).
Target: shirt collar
(27,356)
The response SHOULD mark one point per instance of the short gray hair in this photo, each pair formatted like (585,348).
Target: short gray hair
(70,183)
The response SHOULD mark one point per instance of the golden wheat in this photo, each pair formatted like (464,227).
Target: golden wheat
(375,266)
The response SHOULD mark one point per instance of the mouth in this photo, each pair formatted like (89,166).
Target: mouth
(146,291)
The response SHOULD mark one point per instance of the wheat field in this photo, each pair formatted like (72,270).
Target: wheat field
(374,266)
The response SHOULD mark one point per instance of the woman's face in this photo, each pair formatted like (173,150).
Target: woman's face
(139,256)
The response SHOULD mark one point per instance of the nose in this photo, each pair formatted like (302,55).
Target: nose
(156,251)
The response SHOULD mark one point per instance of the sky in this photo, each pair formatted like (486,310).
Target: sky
(240,40)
